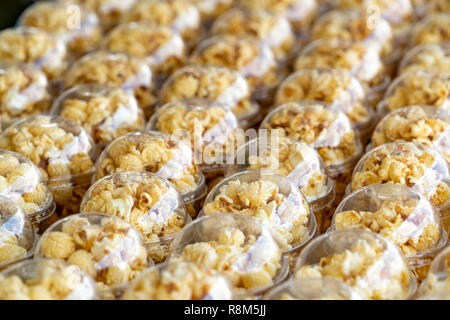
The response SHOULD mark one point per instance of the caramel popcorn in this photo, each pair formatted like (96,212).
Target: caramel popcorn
(35,47)
(106,248)
(271,29)
(433,29)
(24,91)
(117,70)
(211,9)
(218,84)
(104,112)
(67,21)
(160,47)
(45,279)
(179,280)
(438,279)
(366,262)
(406,163)
(421,124)
(260,196)
(179,15)
(145,201)
(427,56)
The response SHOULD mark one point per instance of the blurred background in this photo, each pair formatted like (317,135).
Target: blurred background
(10,11)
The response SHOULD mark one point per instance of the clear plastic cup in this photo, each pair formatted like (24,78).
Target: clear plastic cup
(68,21)
(179,280)
(367,262)
(336,87)
(179,15)
(63,152)
(147,202)
(426,125)
(218,84)
(270,199)
(399,214)
(104,112)
(162,48)
(427,56)
(159,153)
(432,29)
(296,161)
(419,87)
(413,165)
(116,70)
(312,289)
(106,248)
(438,279)
(35,47)
(238,247)
(46,279)
(207,127)
(24,92)
(17,236)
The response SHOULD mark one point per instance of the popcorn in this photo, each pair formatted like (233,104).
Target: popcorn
(427,56)
(433,29)
(438,280)
(211,9)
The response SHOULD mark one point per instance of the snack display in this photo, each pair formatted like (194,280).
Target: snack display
(438,279)
(104,112)
(34,47)
(117,70)
(162,49)
(312,289)
(336,87)
(147,202)
(179,15)
(426,125)
(179,280)
(367,262)
(427,56)
(24,91)
(419,87)
(218,84)
(207,127)
(238,247)
(106,248)
(17,237)
(159,153)
(271,29)
(433,29)
(296,161)
(62,150)
(77,27)
(399,214)
(416,166)
(46,279)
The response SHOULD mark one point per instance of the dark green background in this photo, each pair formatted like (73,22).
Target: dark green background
(10,11)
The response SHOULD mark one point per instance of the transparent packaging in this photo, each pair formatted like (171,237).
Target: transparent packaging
(438,278)
(269,28)
(35,47)
(270,199)
(312,289)
(336,87)
(426,125)
(162,49)
(104,112)
(413,165)
(179,15)
(207,127)
(116,70)
(24,92)
(218,84)
(68,21)
(63,152)
(147,202)
(419,87)
(159,153)
(399,214)
(106,248)
(433,29)
(238,247)
(427,56)
(46,279)
(296,161)
(367,262)
(179,280)
(17,236)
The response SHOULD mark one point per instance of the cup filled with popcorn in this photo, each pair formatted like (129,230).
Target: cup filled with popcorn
(428,56)
(438,279)
(432,29)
